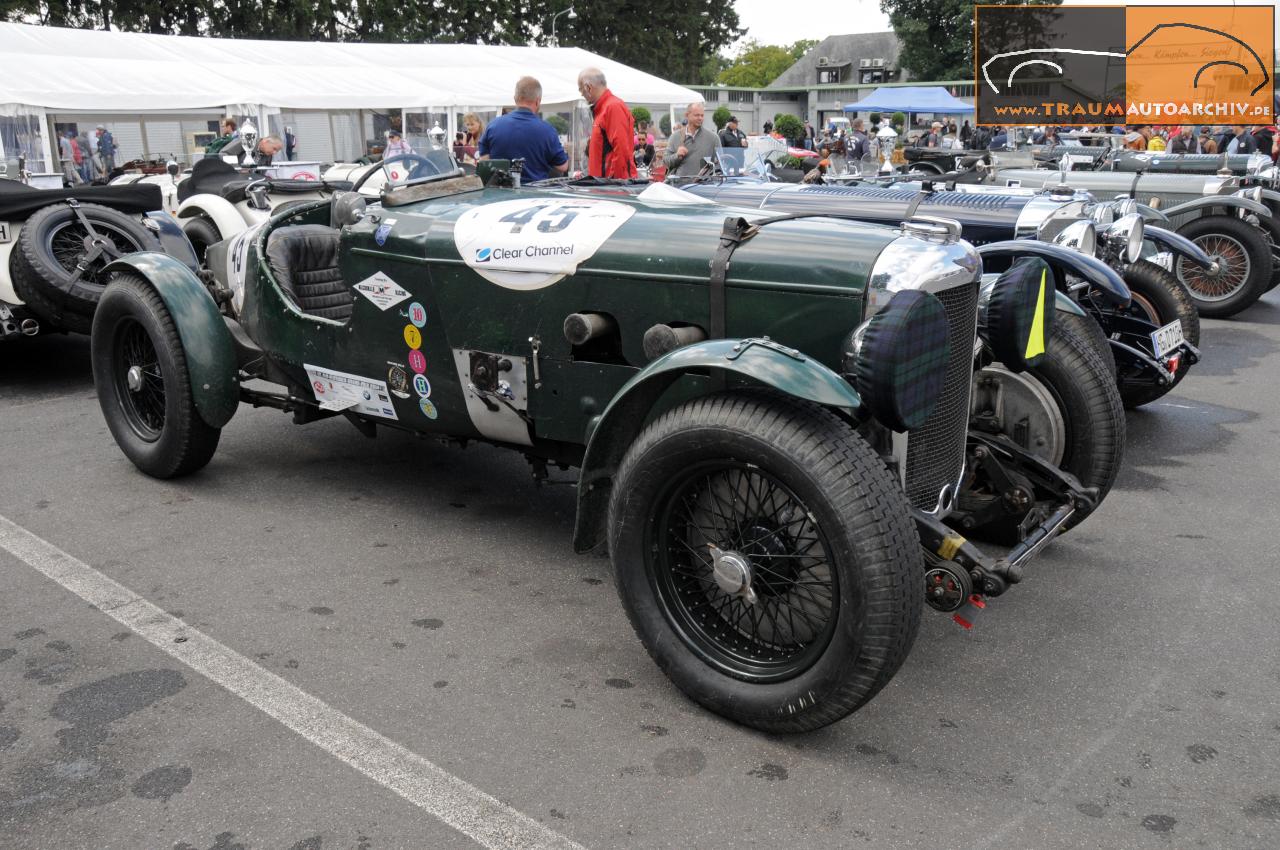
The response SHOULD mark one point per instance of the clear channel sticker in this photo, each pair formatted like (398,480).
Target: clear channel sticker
(343,391)
(381,290)
(534,242)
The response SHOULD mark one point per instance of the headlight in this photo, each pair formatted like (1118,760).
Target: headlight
(1080,235)
(1125,236)
(902,353)
(1103,214)
(1016,314)
(1124,206)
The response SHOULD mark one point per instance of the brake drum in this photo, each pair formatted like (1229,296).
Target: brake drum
(1022,409)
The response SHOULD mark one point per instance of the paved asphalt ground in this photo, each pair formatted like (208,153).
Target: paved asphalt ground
(1124,696)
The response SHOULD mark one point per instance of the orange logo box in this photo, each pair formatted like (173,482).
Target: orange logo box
(1206,64)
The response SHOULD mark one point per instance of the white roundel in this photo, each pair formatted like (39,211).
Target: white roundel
(533,242)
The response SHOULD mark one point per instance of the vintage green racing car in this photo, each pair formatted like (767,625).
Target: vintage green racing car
(775,458)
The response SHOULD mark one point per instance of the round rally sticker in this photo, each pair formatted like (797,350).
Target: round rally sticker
(428,408)
(421,385)
(417,361)
(412,337)
(533,242)
(417,314)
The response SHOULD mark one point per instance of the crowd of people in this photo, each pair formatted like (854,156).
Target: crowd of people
(85,156)
(1141,137)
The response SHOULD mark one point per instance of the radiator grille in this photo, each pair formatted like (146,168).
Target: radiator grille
(935,450)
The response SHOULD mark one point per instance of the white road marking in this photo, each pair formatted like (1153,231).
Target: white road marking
(461,805)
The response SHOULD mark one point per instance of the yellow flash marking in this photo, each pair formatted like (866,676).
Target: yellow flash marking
(1035,344)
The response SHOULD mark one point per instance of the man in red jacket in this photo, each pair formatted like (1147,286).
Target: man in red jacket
(609,151)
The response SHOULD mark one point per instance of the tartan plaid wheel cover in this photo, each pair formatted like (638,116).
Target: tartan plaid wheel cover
(902,364)
(1020,314)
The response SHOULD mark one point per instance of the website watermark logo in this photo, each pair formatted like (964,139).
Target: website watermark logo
(1124,65)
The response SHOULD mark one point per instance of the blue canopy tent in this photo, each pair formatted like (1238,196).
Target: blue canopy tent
(933,99)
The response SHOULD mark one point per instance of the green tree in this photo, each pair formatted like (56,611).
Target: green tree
(756,65)
(664,123)
(801,47)
(937,35)
(557,121)
(791,128)
(721,116)
(641,115)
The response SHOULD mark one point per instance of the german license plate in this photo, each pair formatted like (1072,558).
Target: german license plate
(1168,339)
(4,232)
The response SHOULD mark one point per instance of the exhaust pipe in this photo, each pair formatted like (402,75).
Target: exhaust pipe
(30,327)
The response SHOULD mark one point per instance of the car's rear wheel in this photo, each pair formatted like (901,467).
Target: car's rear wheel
(1244,260)
(144,389)
(766,558)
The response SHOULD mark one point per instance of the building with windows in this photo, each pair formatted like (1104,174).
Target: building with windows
(837,71)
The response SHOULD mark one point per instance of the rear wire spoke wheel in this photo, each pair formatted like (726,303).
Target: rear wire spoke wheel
(144,388)
(766,558)
(1244,258)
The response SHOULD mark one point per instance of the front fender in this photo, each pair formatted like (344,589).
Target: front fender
(1230,201)
(1176,243)
(206,342)
(611,433)
(173,240)
(1097,273)
(220,211)
(1063,304)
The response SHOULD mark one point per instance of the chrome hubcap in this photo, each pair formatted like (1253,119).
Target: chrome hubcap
(133,379)
(732,573)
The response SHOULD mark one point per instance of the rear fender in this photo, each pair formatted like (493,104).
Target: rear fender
(610,434)
(173,240)
(220,211)
(1231,202)
(1097,273)
(206,342)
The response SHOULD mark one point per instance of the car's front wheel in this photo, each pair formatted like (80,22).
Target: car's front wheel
(1159,298)
(1243,256)
(144,389)
(766,558)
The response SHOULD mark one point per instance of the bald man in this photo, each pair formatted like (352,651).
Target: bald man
(688,149)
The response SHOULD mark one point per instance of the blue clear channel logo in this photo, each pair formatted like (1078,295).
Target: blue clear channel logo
(417,314)
(422,386)
(428,408)
(483,255)
(380,235)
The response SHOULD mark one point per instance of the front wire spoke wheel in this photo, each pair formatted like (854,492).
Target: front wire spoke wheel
(1233,272)
(139,381)
(769,614)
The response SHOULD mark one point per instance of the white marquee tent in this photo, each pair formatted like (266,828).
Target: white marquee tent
(53,75)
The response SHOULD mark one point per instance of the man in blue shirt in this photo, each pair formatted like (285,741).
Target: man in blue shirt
(522,134)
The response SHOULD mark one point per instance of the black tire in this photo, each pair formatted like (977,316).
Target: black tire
(1246,257)
(1272,227)
(155,422)
(202,232)
(1160,298)
(50,247)
(825,479)
(1093,418)
(1088,329)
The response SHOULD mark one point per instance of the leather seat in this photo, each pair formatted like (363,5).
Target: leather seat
(304,260)
(208,176)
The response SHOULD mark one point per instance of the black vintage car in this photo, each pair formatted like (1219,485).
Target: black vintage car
(1132,325)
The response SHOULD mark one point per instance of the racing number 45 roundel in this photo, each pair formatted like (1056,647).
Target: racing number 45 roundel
(533,242)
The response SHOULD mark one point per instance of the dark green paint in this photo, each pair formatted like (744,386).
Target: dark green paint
(206,342)
(1062,301)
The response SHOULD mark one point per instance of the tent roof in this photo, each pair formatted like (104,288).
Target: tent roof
(99,71)
(910,99)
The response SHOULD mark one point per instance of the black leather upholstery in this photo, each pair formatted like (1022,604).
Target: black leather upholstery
(208,176)
(304,260)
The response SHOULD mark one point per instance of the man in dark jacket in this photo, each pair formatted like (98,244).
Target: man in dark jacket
(1185,142)
(1264,136)
(1240,142)
(106,149)
(731,136)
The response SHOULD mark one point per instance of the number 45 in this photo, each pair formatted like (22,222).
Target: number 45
(560,217)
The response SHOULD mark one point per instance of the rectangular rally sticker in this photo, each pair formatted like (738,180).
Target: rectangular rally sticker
(341,391)
(381,290)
